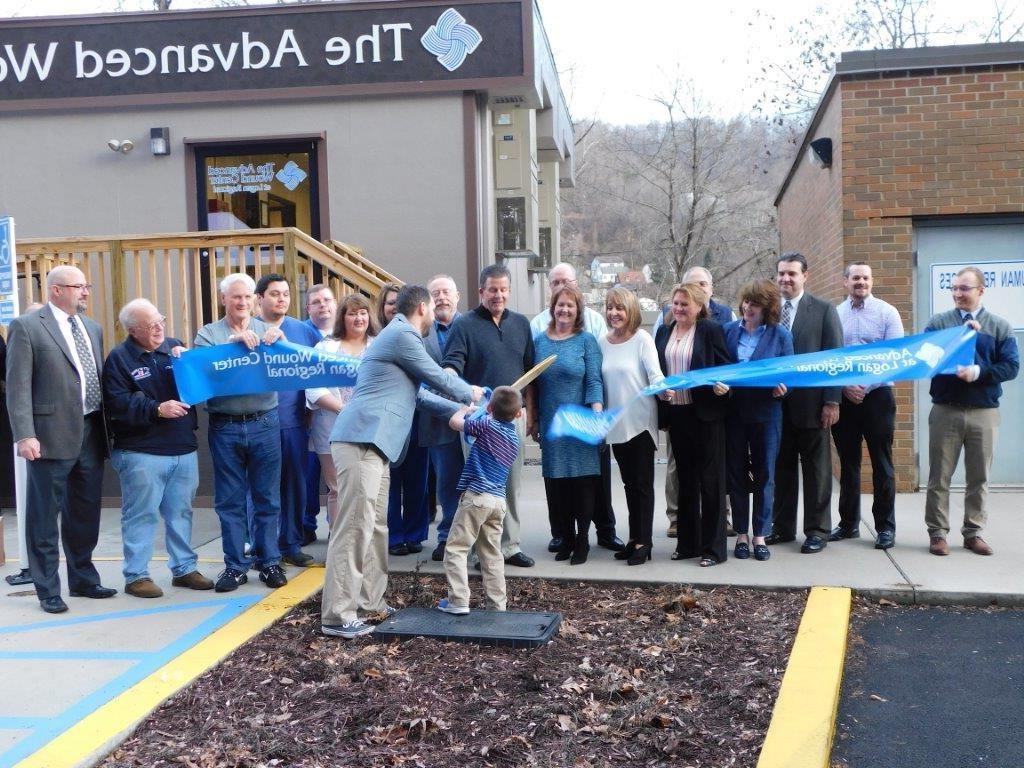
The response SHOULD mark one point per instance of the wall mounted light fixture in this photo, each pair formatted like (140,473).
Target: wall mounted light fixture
(124,146)
(820,153)
(160,141)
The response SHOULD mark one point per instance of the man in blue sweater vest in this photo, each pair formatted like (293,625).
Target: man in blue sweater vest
(965,414)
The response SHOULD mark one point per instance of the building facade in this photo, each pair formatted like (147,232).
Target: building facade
(925,175)
(432,135)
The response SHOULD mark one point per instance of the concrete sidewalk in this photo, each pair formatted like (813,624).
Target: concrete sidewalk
(99,649)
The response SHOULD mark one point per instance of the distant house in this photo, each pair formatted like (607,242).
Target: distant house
(635,277)
(604,270)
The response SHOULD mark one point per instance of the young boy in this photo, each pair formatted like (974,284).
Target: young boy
(481,511)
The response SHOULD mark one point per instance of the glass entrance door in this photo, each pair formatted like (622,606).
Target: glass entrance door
(258,186)
(262,185)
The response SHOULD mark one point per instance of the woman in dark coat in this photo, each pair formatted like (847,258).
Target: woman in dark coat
(696,425)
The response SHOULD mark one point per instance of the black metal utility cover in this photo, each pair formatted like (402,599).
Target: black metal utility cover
(510,629)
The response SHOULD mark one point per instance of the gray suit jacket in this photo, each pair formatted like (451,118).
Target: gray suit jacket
(816,327)
(434,430)
(388,391)
(44,396)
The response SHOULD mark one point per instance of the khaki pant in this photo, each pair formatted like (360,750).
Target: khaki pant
(671,484)
(357,549)
(950,429)
(330,475)
(478,521)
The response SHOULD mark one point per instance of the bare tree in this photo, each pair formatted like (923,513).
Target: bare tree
(674,194)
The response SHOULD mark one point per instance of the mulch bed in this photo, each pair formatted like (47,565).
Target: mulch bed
(639,675)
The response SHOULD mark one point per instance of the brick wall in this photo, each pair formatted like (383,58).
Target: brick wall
(937,143)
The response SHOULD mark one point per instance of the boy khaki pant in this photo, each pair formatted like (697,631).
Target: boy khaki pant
(478,520)
(357,549)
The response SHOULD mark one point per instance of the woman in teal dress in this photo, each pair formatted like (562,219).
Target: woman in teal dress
(571,469)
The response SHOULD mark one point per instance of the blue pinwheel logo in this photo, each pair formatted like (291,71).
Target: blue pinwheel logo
(451,39)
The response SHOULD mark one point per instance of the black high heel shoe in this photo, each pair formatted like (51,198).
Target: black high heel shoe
(580,551)
(640,555)
(626,553)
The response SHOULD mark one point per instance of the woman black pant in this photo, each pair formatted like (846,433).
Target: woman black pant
(699,449)
(636,465)
(571,508)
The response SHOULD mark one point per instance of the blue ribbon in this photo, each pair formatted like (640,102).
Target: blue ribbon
(233,369)
(881,362)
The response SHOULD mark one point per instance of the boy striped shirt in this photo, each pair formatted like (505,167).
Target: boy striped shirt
(491,457)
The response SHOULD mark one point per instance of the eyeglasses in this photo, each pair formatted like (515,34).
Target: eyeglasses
(560,283)
(963,288)
(78,286)
(159,323)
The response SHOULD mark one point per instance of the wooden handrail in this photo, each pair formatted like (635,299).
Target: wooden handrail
(180,272)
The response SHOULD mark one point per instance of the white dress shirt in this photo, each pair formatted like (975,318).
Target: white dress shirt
(65,329)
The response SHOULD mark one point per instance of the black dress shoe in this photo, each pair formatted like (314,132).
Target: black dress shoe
(299,559)
(438,554)
(519,560)
(813,545)
(615,544)
(778,538)
(885,540)
(414,547)
(21,577)
(53,604)
(839,533)
(94,591)
(555,545)
(398,550)
(308,537)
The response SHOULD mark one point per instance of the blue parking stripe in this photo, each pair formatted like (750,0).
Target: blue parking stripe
(46,729)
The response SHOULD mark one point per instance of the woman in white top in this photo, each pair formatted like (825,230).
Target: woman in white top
(630,363)
(354,329)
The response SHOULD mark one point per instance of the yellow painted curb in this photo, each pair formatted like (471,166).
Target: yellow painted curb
(803,723)
(98,733)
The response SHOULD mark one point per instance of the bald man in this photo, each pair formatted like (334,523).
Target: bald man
(56,409)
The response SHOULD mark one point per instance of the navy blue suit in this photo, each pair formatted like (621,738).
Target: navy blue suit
(753,429)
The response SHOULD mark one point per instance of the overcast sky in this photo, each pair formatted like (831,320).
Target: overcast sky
(614,56)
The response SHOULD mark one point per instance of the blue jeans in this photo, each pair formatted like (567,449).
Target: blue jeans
(247,459)
(447,461)
(152,485)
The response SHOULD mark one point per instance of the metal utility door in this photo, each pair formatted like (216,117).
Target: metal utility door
(997,248)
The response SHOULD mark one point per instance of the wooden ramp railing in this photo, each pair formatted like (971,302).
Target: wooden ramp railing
(180,272)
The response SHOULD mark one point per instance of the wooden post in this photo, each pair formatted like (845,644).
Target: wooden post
(118,285)
(291,271)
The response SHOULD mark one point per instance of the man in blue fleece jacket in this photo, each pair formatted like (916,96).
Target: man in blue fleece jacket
(965,414)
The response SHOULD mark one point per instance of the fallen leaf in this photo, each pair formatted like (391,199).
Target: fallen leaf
(661,721)
(884,601)
(564,722)
(876,697)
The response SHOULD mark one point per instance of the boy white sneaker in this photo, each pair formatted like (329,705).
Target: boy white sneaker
(456,610)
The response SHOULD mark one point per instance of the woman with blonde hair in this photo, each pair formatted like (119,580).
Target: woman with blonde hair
(629,364)
(354,329)
(696,425)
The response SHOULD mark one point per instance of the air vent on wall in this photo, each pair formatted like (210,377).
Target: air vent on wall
(509,100)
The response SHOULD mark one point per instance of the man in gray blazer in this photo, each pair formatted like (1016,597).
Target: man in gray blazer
(441,441)
(370,432)
(56,411)
(807,415)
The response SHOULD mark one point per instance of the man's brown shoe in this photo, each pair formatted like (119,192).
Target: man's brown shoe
(938,545)
(193,580)
(143,588)
(977,545)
